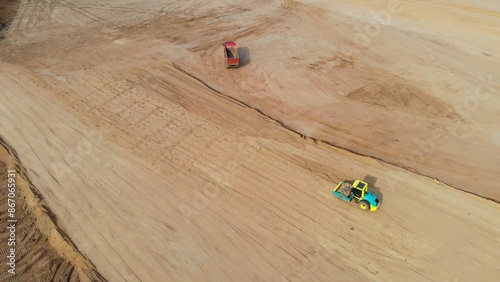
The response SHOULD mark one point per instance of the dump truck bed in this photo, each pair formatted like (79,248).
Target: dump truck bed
(231,54)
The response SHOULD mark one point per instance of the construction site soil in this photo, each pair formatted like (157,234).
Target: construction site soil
(140,157)
(44,250)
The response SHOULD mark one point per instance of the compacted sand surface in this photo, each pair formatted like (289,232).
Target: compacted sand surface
(162,165)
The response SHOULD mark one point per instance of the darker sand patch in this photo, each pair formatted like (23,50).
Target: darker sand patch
(8,10)
(397,95)
(43,251)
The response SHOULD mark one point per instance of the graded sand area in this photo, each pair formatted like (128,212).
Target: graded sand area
(162,165)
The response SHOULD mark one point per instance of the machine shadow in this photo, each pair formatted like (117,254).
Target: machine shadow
(244,55)
(371,180)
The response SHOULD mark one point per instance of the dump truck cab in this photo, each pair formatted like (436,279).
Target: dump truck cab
(358,190)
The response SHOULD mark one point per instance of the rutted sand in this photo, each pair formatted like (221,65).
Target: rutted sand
(161,164)
(43,250)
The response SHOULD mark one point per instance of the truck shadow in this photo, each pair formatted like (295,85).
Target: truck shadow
(371,180)
(244,55)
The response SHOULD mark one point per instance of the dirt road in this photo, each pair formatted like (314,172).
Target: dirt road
(163,165)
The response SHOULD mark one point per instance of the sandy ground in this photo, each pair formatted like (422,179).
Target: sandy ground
(8,10)
(161,164)
(40,249)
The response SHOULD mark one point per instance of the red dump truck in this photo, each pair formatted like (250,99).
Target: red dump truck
(231,54)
